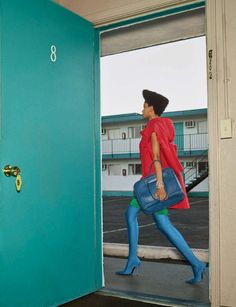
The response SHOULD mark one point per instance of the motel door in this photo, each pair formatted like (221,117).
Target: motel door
(50,235)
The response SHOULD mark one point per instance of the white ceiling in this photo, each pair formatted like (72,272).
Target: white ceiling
(102,12)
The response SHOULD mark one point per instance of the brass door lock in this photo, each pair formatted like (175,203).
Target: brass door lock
(15,172)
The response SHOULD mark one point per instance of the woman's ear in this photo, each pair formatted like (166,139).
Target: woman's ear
(152,109)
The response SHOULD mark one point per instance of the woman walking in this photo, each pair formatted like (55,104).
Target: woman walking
(157,148)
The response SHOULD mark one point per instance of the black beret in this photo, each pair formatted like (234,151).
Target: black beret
(156,100)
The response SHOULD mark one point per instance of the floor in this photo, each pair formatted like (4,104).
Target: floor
(156,283)
(157,280)
(98,300)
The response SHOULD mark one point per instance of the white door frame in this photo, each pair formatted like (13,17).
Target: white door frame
(220,25)
(214,284)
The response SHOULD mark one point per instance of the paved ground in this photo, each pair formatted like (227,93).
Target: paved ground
(192,223)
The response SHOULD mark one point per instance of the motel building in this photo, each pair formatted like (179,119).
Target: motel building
(121,165)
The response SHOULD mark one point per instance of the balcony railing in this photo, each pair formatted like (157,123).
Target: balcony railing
(189,143)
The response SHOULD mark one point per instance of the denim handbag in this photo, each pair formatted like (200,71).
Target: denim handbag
(144,191)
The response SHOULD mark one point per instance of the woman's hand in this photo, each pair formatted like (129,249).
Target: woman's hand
(161,194)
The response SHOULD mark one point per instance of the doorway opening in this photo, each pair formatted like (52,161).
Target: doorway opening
(173,64)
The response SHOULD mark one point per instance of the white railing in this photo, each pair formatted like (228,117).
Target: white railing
(187,142)
(120,146)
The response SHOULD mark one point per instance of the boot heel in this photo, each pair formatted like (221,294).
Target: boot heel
(130,268)
(198,276)
(136,269)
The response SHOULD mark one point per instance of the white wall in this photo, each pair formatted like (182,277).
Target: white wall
(118,183)
(125,183)
(202,187)
(221,39)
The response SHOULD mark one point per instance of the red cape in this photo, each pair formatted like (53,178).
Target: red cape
(164,129)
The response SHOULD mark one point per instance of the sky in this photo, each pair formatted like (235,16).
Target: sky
(176,70)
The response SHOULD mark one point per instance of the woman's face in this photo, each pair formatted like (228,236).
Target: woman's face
(146,110)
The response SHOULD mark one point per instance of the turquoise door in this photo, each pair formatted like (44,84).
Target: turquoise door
(179,137)
(50,232)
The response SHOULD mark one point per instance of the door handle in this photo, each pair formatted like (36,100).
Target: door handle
(15,172)
(11,170)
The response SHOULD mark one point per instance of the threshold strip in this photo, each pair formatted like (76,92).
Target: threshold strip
(151,299)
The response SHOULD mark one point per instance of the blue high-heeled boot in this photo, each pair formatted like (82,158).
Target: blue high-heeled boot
(174,236)
(133,233)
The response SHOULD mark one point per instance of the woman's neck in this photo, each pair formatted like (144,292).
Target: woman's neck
(153,116)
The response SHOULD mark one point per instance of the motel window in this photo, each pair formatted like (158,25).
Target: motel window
(114,170)
(113,134)
(202,126)
(134,132)
(134,169)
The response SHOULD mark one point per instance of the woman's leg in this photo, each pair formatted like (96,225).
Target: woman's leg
(133,233)
(164,224)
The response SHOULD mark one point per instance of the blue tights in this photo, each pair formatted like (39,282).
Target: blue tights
(133,232)
(164,224)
